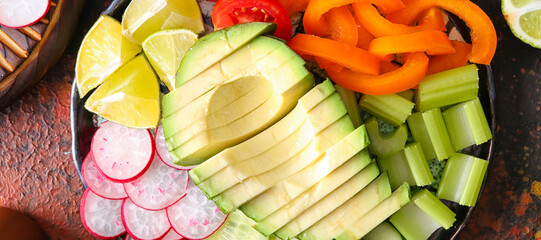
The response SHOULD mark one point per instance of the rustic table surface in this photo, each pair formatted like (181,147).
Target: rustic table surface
(38,177)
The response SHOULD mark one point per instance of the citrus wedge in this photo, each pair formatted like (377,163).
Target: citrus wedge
(144,17)
(524,19)
(165,49)
(102,52)
(130,96)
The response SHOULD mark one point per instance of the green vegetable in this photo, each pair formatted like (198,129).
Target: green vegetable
(385,144)
(392,107)
(383,231)
(408,165)
(428,128)
(467,124)
(349,99)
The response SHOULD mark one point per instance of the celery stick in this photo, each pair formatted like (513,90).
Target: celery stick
(382,211)
(383,231)
(409,165)
(447,87)
(407,94)
(422,216)
(467,124)
(350,100)
(385,144)
(392,107)
(462,178)
(428,128)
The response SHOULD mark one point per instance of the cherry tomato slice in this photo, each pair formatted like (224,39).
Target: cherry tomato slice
(230,12)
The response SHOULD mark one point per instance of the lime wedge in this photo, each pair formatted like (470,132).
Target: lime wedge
(102,51)
(237,226)
(524,19)
(165,50)
(130,96)
(144,17)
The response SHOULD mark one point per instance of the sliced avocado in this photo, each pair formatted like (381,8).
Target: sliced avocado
(322,116)
(296,206)
(266,139)
(365,223)
(220,72)
(286,190)
(339,219)
(234,197)
(268,92)
(315,212)
(221,44)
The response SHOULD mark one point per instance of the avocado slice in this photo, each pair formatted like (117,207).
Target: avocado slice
(239,194)
(266,139)
(322,116)
(286,190)
(221,44)
(339,219)
(299,217)
(365,223)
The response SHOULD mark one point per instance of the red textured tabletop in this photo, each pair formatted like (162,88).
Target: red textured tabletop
(38,177)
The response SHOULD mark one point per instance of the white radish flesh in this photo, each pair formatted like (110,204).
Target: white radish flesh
(163,152)
(121,153)
(160,187)
(144,224)
(194,216)
(172,235)
(21,13)
(98,183)
(100,216)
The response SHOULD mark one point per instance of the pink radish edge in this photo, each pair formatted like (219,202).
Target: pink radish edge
(180,167)
(128,230)
(83,218)
(33,22)
(169,219)
(83,169)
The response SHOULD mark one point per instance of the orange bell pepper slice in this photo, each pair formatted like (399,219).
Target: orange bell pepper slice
(350,57)
(376,24)
(343,26)
(409,75)
(296,6)
(386,67)
(364,37)
(432,42)
(433,19)
(450,61)
(483,34)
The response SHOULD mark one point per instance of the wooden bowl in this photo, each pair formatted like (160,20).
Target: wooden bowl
(44,43)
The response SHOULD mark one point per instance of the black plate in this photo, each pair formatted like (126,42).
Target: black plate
(83,125)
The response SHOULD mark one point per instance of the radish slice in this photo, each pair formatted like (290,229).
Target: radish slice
(163,152)
(172,235)
(144,224)
(98,183)
(21,13)
(100,216)
(121,153)
(161,186)
(195,216)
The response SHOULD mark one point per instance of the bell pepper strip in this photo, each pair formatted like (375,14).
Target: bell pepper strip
(433,19)
(450,61)
(343,26)
(386,67)
(295,6)
(350,57)
(364,37)
(432,42)
(378,26)
(328,65)
(409,75)
(314,22)
(483,34)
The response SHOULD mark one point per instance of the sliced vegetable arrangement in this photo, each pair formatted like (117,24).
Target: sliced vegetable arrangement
(249,131)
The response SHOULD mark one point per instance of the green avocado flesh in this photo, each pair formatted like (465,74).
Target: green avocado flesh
(233,100)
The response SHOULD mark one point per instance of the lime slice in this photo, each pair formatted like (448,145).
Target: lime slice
(165,50)
(144,17)
(237,226)
(102,51)
(524,19)
(130,96)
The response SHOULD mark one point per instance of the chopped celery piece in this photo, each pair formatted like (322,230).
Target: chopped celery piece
(339,219)
(350,100)
(328,204)
(467,124)
(408,165)
(462,178)
(428,128)
(447,87)
(392,107)
(383,231)
(422,216)
(407,94)
(385,144)
(377,215)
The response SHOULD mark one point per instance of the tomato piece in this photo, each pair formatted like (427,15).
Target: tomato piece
(230,12)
